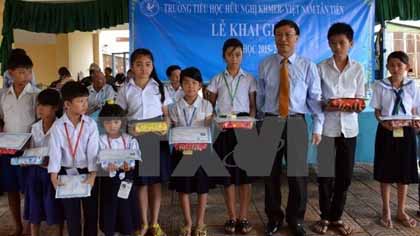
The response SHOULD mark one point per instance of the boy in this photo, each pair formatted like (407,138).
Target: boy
(73,150)
(341,77)
(17,113)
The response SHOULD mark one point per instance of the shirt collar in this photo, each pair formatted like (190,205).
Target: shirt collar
(40,126)
(28,89)
(151,82)
(240,74)
(387,83)
(292,58)
(331,62)
(66,119)
(195,104)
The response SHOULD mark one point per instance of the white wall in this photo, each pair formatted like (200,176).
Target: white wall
(80,52)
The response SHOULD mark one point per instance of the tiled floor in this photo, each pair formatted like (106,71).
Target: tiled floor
(363,210)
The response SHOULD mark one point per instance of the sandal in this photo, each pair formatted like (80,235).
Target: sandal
(244,226)
(201,231)
(185,231)
(230,226)
(142,231)
(321,227)
(408,222)
(387,223)
(343,228)
(156,230)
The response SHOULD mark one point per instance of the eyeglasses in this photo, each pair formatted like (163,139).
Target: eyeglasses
(287,35)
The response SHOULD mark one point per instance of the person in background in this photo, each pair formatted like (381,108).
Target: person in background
(99,92)
(7,78)
(108,75)
(64,76)
(87,81)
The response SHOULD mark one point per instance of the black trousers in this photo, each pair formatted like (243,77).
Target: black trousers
(297,199)
(72,212)
(333,190)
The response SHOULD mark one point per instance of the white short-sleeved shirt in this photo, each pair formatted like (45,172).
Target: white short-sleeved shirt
(18,114)
(384,97)
(172,95)
(98,98)
(140,103)
(350,83)
(39,138)
(223,82)
(182,113)
(87,150)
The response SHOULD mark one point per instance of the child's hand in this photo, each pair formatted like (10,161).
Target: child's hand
(90,179)
(45,162)
(387,125)
(126,167)
(112,167)
(54,180)
(415,124)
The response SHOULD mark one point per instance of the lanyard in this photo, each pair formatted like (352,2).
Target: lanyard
(189,122)
(123,139)
(232,94)
(73,151)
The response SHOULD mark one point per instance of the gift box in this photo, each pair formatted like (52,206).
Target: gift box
(346,104)
(153,126)
(399,121)
(190,146)
(234,122)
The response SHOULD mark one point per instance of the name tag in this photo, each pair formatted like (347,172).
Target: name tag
(72,171)
(398,133)
(125,188)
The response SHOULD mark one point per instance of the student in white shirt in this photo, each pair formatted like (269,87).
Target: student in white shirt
(99,92)
(17,111)
(143,98)
(395,147)
(173,90)
(191,111)
(233,92)
(40,202)
(74,145)
(341,77)
(117,214)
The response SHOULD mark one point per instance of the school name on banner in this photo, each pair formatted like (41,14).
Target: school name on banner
(191,33)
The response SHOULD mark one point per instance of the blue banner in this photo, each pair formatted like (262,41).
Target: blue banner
(192,32)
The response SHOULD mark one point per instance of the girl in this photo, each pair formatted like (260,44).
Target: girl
(233,92)
(395,148)
(40,202)
(117,214)
(191,111)
(142,97)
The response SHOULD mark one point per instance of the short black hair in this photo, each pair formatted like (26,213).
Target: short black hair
(63,72)
(289,23)
(18,51)
(72,90)
(112,110)
(120,78)
(400,55)
(171,68)
(19,61)
(109,69)
(51,97)
(193,73)
(341,28)
(232,42)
